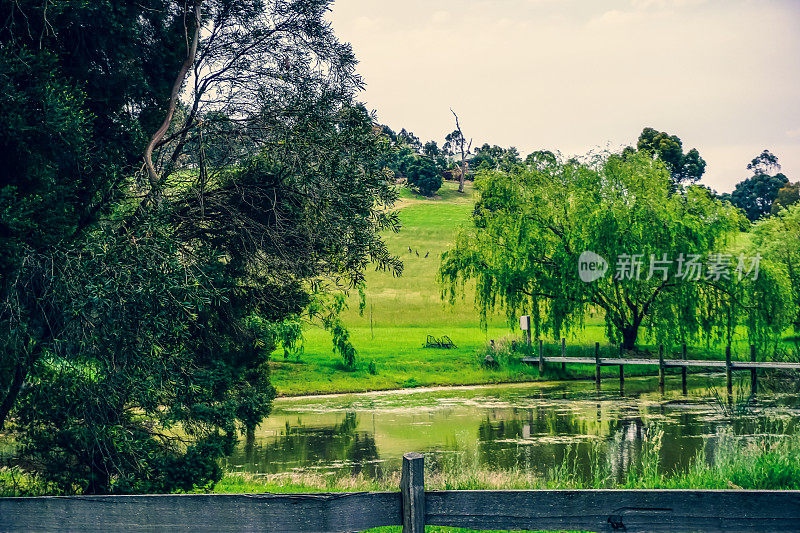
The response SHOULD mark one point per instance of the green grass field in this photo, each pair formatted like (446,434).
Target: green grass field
(401,312)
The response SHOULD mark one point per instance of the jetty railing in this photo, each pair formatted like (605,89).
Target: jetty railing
(662,363)
(412,508)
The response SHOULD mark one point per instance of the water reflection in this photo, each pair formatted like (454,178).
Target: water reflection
(536,427)
(304,443)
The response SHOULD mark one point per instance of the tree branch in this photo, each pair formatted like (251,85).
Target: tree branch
(173,100)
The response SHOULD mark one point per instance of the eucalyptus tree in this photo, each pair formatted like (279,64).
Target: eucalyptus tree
(541,158)
(788,195)
(535,229)
(756,194)
(459,145)
(684,168)
(143,279)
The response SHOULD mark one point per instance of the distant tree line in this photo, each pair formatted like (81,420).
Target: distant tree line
(424,166)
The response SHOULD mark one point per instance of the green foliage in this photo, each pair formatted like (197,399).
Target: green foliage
(137,316)
(328,308)
(755,195)
(777,239)
(683,168)
(424,175)
(541,158)
(143,389)
(494,157)
(788,195)
(530,227)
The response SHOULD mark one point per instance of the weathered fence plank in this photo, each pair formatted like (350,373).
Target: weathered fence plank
(622,510)
(203,512)
(412,489)
(584,510)
(764,364)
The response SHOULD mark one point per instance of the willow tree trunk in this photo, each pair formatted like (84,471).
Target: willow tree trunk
(629,335)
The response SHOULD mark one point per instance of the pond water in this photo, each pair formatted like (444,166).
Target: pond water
(532,425)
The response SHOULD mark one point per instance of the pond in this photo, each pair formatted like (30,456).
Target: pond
(532,425)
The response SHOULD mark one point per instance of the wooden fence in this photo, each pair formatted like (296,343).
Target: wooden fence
(413,507)
(729,365)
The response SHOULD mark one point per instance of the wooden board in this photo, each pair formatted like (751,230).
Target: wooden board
(583,510)
(203,512)
(574,360)
(620,510)
(709,363)
(765,364)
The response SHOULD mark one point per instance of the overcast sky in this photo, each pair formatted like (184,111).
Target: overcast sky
(577,75)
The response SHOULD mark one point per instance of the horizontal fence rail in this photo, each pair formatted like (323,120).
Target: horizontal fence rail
(203,512)
(413,507)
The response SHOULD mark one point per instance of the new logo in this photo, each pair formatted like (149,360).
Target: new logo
(591,266)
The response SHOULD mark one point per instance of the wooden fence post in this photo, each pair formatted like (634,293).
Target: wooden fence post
(683,371)
(563,352)
(661,368)
(597,365)
(412,490)
(753,375)
(528,333)
(728,373)
(541,357)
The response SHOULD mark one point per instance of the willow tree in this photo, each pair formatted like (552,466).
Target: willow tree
(778,239)
(535,228)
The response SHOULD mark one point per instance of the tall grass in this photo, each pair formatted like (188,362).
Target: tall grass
(766,461)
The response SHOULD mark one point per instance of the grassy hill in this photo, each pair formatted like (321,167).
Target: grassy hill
(401,312)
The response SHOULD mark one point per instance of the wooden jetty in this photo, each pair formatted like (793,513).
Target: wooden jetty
(662,363)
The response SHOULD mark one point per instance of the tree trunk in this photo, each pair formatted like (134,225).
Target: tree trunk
(20,372)
(629,336)
(23,367)
(464,164)
(173,102)
(99,480)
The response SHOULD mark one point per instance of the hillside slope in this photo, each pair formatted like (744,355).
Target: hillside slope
(401,312)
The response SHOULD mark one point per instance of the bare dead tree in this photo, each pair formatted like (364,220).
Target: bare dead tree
(464,164)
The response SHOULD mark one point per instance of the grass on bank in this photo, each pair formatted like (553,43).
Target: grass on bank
(399,360)
(765,462)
